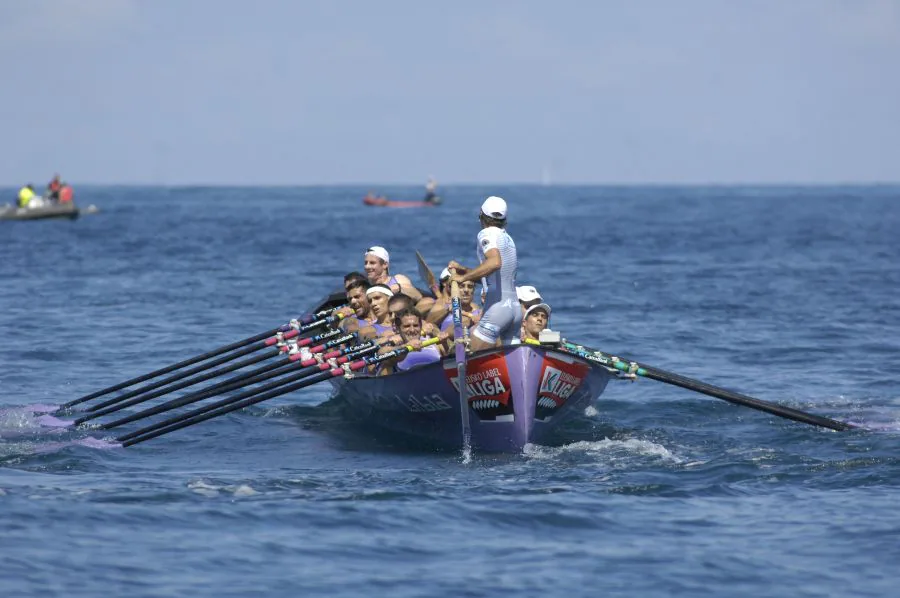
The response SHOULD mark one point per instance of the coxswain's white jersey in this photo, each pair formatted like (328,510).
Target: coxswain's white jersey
(502,283)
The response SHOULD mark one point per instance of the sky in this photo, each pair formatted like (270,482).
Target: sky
(310,92)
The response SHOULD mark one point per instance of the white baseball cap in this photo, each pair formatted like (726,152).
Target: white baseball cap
(445,274)
(494,207)
(526,294)
(543,306)
(379,252)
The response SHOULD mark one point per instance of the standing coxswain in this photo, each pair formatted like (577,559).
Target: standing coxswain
(502,316)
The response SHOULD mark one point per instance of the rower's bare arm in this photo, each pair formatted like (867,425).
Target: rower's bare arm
(407,287)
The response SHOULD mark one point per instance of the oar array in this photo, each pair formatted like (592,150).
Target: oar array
(306,351)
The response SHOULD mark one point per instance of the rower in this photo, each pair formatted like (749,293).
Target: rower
(537,318)
(378,296)
(377,266)
(408,327)
(353,276)
(358,313)
(502,316)
(441,312)
(401,302)
(528,296)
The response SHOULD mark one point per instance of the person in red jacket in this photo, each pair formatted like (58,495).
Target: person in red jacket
(53,188)
(66,195)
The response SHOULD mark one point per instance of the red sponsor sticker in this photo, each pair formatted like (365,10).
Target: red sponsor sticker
(559,381)
(488,388)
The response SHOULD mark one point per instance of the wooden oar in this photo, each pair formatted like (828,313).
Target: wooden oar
(459,340)
(269,342)
(427,275)
(275,352)
(267,391)
(291,365)
(176,366)
(646,371)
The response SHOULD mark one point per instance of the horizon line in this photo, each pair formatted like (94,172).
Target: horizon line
(374,186)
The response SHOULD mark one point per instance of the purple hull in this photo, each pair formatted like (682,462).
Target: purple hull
(517,395)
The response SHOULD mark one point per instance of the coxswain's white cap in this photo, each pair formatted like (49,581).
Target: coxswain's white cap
(543,306)
(494,207)
(527,294)
(379,289)
(379,252)
(445,274)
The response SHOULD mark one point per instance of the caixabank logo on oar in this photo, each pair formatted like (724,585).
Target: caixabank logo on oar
(559,381)
(487,387)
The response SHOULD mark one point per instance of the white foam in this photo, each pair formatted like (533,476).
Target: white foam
(244,490)
(606,448)
(201,487)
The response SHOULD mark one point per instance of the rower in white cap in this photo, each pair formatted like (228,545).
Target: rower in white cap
(502,317)
(378,265)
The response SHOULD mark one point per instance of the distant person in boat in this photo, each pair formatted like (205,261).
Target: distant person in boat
(53,188)
(26,196)
(502,317)
(537,318)
(442,311)
(377,266)
(431,190)
(66,194)
(408,331)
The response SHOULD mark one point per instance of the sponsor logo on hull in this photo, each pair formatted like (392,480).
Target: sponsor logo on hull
(559,381)
(487,387)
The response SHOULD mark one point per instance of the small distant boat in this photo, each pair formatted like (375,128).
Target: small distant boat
(48,210)
(384,202)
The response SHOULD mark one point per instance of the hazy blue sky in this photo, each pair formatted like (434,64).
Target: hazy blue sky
(295,91)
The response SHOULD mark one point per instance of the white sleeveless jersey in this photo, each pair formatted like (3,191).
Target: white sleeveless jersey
(502,283)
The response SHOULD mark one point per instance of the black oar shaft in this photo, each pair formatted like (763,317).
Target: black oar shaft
(736,398)
(747,401)
(173,367)
(181,375)
(302,324)
(214,410)
(233,383)
(299,375)
(95,413)
(265,392)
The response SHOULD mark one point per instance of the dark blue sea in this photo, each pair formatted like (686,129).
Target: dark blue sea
(787,294)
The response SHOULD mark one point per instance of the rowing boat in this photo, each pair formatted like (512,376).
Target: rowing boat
(384,202)
(47,211)
(516,395)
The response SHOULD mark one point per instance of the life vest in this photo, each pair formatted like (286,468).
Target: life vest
(65,194)
(25,196)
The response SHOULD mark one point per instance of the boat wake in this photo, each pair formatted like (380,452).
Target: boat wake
(607,449)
